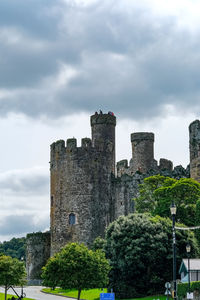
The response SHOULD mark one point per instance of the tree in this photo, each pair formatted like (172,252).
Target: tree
(75,266)
(98,243)
(12,272)
(185,192)
(51,272)
(14,248)
(139,248)
(157,193)
(145,202)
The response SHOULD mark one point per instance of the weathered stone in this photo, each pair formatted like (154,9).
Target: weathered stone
(37,253)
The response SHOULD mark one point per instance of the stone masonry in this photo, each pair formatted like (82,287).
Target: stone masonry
(88,190)
(81,199)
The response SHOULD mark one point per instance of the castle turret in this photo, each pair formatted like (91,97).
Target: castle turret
(81,196)
(142,151)
(103,135)
(194,132)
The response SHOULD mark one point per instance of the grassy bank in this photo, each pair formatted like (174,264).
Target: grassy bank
(2,297)
(92,294)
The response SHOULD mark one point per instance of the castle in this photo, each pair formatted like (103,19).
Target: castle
(89,190)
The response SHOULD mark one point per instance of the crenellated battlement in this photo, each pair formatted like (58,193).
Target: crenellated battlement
(61,150)
(108,119)
(142,136)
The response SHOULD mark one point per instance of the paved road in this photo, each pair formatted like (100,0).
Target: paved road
(34,292)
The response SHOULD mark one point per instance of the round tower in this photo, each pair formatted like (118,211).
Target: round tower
(103,135)
(142,151)
(81,186)
(194,145)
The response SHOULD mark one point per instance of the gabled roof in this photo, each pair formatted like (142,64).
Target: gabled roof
(194,264)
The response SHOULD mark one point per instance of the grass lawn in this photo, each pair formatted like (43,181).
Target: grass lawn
(2,296)
(92,294)
(85,294)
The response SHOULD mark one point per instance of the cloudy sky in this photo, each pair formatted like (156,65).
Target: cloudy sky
(60,61)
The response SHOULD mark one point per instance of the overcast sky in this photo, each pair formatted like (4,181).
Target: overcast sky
(60,61)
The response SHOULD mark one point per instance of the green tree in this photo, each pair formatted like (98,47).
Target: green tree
(75,266)
(145,202)
(14,248)
(51,272)
(185,192)
(139,248)
(12,272)
(157,193)
(99,243)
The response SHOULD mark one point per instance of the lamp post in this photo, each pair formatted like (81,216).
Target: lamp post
(22,291)
(188,249)
(173,213)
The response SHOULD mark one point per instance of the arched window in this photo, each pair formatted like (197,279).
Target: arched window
(72,219)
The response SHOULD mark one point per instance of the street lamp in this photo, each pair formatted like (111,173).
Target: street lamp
(173,213)
(22,291)
(188,249)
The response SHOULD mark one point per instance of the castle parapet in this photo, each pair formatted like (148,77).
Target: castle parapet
(142,136)
(103,119)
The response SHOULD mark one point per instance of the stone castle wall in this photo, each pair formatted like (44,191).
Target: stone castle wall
(37,253)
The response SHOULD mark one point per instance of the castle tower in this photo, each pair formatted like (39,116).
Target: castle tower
(81,197)
(103,135)
(142,151)
(194,133)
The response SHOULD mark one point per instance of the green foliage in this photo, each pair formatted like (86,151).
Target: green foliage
(99,243)
(139,248)
(12,272)
(183,288)
(75,266)
(157,193)
(197,221)
(145,202)
(14,248)
(51,272)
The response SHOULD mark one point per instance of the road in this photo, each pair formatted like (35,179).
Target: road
(34,292)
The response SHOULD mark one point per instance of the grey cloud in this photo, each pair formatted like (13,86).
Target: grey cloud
(125,60)
(14,225)
(27,182)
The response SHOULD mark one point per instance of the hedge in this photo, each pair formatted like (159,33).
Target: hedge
(183,288)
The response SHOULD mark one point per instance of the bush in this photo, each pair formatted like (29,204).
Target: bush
(183,288)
